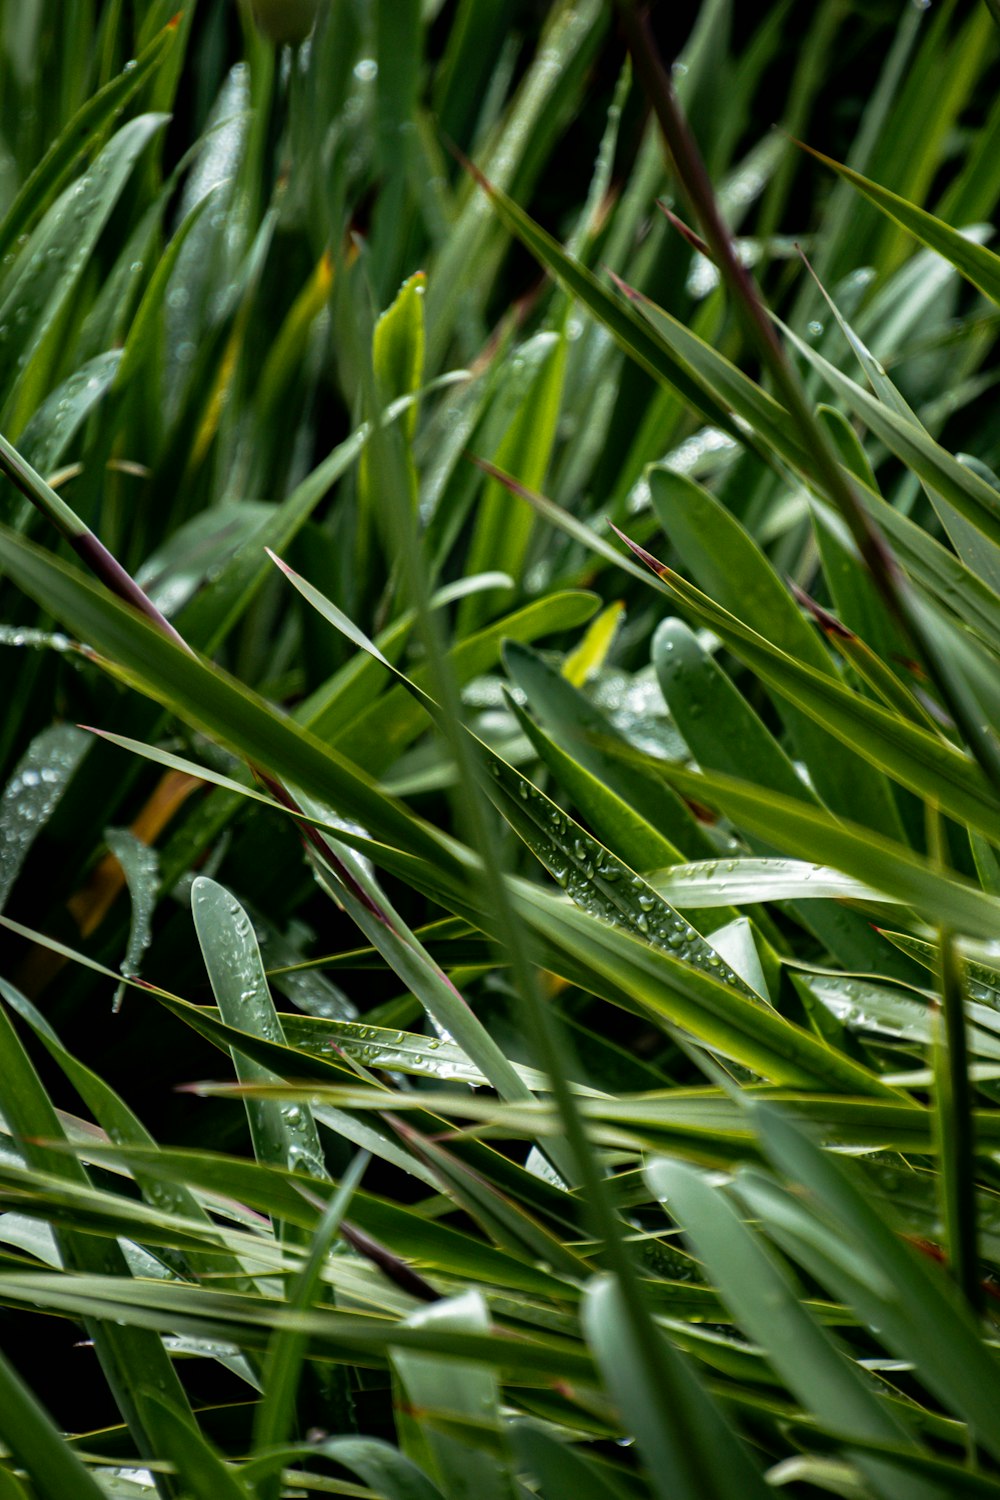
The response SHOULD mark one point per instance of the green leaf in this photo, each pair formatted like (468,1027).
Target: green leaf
(37,1445)
(557,1465)
(768,1307)
(205,696)
(382,1468)
(624,805)
(283,1366)
(916,1308)
(690,1451)
(32,794)
(128,1357)
(909,753)
(463,1470)
(974,261)
(629,330)
(732,569)
(50,265)
(76,138)
(377,734)
(808,833)
(204,1474)
(281,1134)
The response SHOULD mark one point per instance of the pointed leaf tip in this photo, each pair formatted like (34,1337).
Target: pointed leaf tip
(824,619)
(660,569)
(693,238)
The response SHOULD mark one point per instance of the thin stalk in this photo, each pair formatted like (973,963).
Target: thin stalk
(753,316)
(575,1156)
(286,1350)
(953,1105)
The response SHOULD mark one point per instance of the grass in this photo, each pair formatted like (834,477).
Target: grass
(503,995)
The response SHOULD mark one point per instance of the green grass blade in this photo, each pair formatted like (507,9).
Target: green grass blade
(281,1135)
(690,1451)
(275,1414)
(809,833)
(769,1308)
(76,139)
(32,1437)
(975,262)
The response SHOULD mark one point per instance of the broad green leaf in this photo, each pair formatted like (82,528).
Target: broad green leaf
(768,1306)
(283,1134)
(690,1451)
(731,568)
(809,832)
(461,1469)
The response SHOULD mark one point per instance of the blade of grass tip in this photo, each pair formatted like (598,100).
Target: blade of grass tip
(563,519)
(953,1103)
(287,1348)
(694,180)
(88,547)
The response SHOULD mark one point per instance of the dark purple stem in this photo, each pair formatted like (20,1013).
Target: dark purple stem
(695,182)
